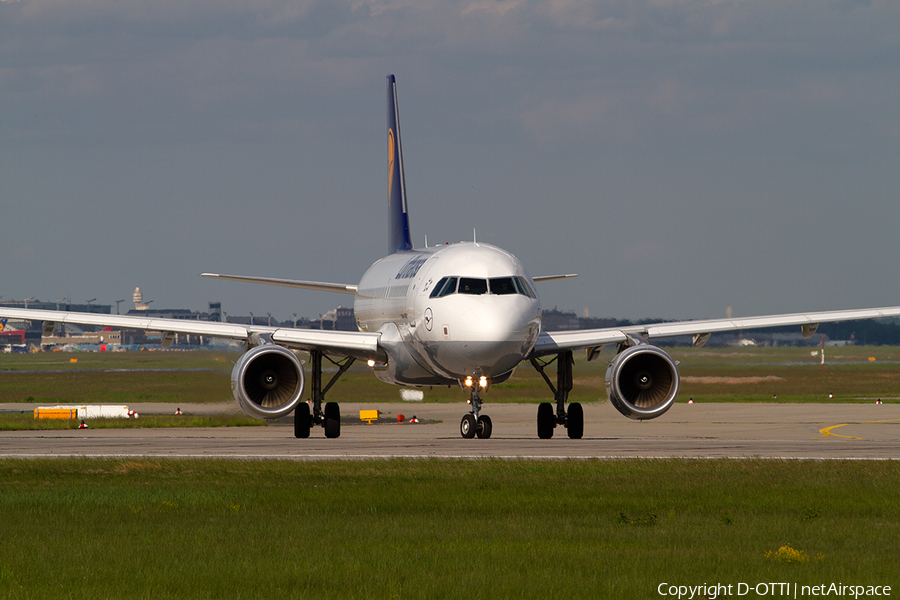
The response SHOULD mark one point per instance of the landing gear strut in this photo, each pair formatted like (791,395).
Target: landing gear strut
(473,424)
(330,418)
(546,420)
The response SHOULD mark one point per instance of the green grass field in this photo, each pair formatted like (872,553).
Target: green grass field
(708,375)
(116,378)
(439,528)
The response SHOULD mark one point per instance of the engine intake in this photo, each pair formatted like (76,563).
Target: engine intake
(267,381)
(642,382)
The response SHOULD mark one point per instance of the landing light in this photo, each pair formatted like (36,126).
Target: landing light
(483,381)
(371,363)
(469,381)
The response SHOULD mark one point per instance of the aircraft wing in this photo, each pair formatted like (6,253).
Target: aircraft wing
(557,341)
(553,342)
(319,286)
(351,343)
(540,278)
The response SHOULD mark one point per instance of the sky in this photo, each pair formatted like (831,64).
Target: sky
(681,156)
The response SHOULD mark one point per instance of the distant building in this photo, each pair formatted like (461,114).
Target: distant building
(113,338)
(339,319)
(138,298)
(104,309)
(215,312)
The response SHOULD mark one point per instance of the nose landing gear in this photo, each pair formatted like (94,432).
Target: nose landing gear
(484,428)
(473,424)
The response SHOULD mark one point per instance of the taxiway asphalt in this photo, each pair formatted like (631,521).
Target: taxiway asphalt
(788,431)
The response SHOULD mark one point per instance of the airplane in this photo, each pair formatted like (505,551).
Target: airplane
(464,314)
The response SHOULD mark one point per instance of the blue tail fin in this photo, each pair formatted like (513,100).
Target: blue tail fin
(398,220)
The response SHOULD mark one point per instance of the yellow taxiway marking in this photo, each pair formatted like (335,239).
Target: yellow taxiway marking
(827,430)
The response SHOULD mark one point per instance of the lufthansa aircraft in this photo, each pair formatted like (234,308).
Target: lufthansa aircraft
(464,314)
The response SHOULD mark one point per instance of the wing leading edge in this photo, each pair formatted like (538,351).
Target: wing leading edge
(319,286)
(351,343)
(558,341)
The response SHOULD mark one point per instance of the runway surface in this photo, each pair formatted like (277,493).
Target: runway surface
(789,431)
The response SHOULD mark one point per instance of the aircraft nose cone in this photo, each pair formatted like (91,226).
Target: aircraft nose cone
(495,339)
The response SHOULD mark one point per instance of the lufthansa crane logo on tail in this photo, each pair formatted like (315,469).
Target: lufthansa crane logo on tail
(390,162)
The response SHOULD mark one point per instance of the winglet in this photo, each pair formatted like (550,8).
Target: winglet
(398,220)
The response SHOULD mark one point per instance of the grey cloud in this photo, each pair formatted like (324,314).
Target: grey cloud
(694,131)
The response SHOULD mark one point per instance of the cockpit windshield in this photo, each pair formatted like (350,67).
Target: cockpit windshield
(498,286)
(502,286)
(445,287)
(474,287)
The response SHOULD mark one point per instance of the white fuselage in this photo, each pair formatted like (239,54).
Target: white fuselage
(448,313)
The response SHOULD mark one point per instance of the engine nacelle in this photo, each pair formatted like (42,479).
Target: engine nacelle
(267,381)
(642,382)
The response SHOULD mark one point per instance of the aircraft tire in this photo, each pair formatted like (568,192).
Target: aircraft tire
(484,428)
(545,421)
(468,426)
(302,421)
(575,421)
(332,420)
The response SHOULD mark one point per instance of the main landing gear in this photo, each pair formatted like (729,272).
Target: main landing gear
(474,424)
(330,418)
(573,421)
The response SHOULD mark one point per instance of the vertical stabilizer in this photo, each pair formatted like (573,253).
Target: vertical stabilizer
(398,220)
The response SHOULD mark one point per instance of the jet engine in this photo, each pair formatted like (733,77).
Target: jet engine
(642,382)
(267,381)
